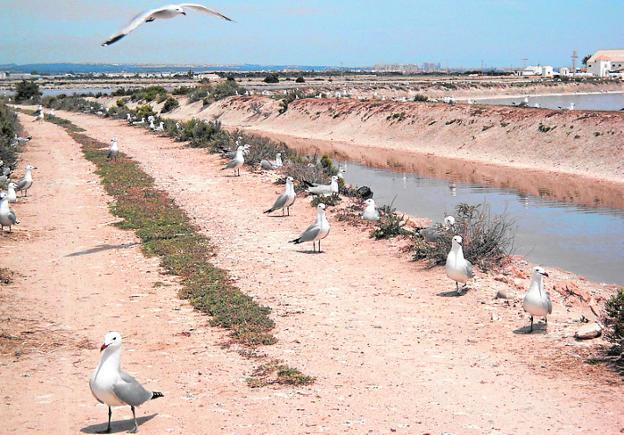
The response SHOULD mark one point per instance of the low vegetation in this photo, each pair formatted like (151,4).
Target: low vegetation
(390,224)
(614,322)
(488,239)
(276,372)
(9,127)
(27,92)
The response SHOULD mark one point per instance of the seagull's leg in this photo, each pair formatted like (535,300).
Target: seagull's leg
(531,330)
(457,288)
(288,208)
(136,426)
(282,212)
(320,247)
(545,320)
(108,427)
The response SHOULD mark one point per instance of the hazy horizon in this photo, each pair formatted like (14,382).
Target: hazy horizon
(499,33)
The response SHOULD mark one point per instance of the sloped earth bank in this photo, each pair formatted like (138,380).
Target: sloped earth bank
(391,349)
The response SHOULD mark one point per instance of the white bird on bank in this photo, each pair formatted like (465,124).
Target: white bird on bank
(164,12)
(26,182)
(537,301)
(237,161)
(161,127)
(178,126)
(457,267)
(269,165)
(341,173)
(19,140)
(141,122)
(7,216)
(370,212)
(129,118)
(40,116)
(151,125)
(114,387)
(113,150)
(323,189)
(286,199)
(11,195)
(317,231)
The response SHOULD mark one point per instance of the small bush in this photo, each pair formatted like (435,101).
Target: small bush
(170,104)
(421,98)
(120,102)
(614,321)
(330,200)
(27,91)
(300,79)
(196,94)
(9,127)
(544,128)
(488,239)
(144,110)
(390,224)
(149,93)
(271,78)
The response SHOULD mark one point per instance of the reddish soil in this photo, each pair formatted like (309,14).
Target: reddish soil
(391,348)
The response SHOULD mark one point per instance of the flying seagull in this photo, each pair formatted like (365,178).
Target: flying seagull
(114,387)
(164,12)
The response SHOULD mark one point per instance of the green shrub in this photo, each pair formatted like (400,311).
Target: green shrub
(329,200)
(488,238)
(421,98)
(271,78)
(27,91)
(144,110)
(390,224)
(9,127)
(149,93)
(120,102)
(300,79)
(614,322)
(170,104)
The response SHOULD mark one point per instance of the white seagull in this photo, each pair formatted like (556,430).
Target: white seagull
(370,212)
(237,161)
(269,165)
(432,233)
(286,199)
(11,195)
(26,182)
(7,216)
(113,150)
(317,231)
(537,301)
(164,12)
(457,267)
(161,127)
(114,387)
(323,189)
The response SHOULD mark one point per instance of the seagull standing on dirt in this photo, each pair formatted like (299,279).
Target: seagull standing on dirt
(18,140)
(151,125)
(113,150)
(537,301)
(26,182)
(7,216)
(457,267)
(269,165)
(317,231)
(323,189)
(237,161)
(286,199)
(161,127)
(165,12)
(114,387)
(141,122)
(11,195)
(370,212)
(40,116)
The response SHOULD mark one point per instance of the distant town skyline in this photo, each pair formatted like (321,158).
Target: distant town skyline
(453,33)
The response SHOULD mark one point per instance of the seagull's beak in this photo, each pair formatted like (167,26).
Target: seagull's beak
(545,274)
(104,346)
(183,13)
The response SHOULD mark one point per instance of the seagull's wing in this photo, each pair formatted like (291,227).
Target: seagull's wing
(132,26)
(310,233)
(12,217)
(129,391)
(469,271)
(231,164)
(204,9)
(280,202)
(20,184)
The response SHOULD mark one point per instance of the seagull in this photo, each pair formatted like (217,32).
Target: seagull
(370,212)
(323,189)
(269,165)
(317,231)
(457,267)
(114,387)
(129,118)
(11,195)
(113,150)
(151,125)
(237,161)
(141,122)
(537,301)
(40,116)
(18,140)
(341,172)
(7,216)
(178,126)
(164,12)
(161,127)
(25,183)
(286,199)
(431,234)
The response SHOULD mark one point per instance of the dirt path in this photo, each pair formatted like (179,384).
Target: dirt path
(389,351)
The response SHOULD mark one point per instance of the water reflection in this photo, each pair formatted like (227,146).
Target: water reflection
(612,101)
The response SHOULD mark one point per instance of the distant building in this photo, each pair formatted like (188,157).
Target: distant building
(603,62)
(563,71)
(538,70)
(3,75)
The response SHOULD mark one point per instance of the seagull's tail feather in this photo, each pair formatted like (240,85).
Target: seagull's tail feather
(296,241)
(156,395)
(307,183)
(271,210)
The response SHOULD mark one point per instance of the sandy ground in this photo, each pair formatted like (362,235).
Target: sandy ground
(391,348)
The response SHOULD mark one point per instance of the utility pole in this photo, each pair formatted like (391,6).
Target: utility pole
(574,57)
(524,63)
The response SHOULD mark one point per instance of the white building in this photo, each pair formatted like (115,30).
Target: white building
(538,70)
(3,75)
(563,71)
(604,61)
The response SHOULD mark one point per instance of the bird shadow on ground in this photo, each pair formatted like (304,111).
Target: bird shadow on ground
(309,252)
(117,426)
(100,248)
(451,294)
(538,328)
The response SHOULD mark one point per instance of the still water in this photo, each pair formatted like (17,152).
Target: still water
(606,101)
(588,241)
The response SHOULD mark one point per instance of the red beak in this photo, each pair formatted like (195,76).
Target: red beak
(104,346)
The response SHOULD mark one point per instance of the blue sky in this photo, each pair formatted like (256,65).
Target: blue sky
(322,32)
